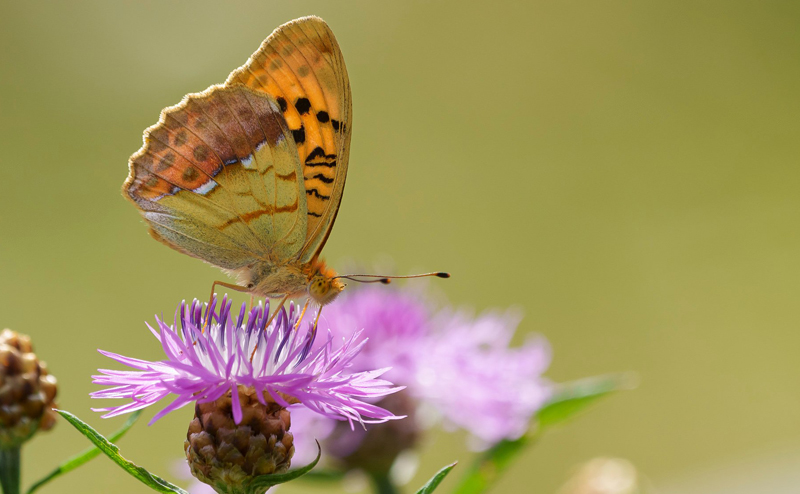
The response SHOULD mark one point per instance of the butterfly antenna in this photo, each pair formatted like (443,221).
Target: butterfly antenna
(383,280)
(379,278)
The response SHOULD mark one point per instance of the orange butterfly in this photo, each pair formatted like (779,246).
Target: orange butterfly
(248,175)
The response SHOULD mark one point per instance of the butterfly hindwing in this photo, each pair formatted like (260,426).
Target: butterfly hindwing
(219,178)
(301,66)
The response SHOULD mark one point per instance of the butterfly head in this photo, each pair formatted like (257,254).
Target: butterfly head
(323,285)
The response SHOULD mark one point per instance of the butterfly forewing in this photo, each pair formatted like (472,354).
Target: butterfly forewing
(218,178)
(301,66)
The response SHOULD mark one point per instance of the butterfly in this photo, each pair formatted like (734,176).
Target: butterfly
(248,175)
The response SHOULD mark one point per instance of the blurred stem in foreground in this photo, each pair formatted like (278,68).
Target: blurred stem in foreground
(9,470)
(383,484)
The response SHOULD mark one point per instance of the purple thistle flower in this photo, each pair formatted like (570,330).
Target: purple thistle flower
(209,355)
(477,381)
(458,368)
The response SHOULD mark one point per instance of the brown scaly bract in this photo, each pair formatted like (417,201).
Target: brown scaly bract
(27,391)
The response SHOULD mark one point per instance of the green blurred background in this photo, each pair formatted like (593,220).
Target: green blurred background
(624,171)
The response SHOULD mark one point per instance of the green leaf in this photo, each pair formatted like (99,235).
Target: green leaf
(261,483)
(568,400)
(491,464)
(85,456)
(571,398)
(434,482)
(112,451)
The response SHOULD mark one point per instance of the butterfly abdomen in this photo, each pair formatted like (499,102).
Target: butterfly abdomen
(268,280)
(265,279)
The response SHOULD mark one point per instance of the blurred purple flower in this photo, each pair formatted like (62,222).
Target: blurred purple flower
(458,366)
(210,355)
(472,376)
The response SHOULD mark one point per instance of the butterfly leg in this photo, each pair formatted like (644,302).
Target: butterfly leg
(316,321)
(211,297)
(277,309)
(226,285)
(300,319)
(269,321)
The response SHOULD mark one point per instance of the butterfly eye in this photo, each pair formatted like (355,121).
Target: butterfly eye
(251,285)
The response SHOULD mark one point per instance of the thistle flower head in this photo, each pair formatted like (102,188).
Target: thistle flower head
(211,353)
(473,376)
(227,455)
(462,366)
(461,370)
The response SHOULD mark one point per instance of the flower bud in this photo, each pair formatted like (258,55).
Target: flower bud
(226,455)
(27,391)
(603,476)
(375,449)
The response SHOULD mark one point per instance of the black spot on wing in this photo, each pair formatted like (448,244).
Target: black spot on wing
(156,146)
(302,105)
(317,153)
(282,104)
(328,164)
(200,152)
(323,178)
(323,116)
(299,135)
(181,137)
(166,162)
(315,192)
(317,157)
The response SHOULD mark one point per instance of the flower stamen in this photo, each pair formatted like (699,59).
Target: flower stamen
(261,353)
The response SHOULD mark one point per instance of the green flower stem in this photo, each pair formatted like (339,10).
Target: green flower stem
(9,470)
(383,484)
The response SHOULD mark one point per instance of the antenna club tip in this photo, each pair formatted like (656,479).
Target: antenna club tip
(443,275)
(385,281)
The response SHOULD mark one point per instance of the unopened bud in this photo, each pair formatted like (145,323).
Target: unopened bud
(27,391)
(375,449)
(603,476)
